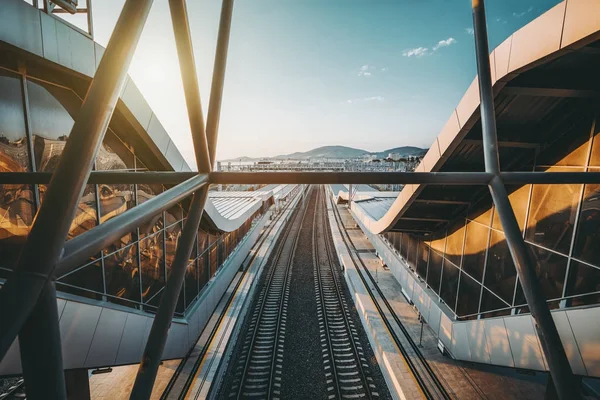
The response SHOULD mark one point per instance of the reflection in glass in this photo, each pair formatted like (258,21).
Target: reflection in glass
(405,246)
(449,284)
(583,279)
(454,244)
(587,239)
(468,295)
(552,215)
(550,269)
(475,246)
(173,233)
(191,282)
(84,281)
(518,200)
(145,193)
(490,302)
(422,259)
(434,271)
(153,265)
(500,272)
(51,109)
(17,206)
(122,275)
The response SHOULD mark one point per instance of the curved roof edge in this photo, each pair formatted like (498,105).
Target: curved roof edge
(225,224)
(567,26)
(52,40)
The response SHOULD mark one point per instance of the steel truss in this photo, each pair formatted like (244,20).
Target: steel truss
(28,298)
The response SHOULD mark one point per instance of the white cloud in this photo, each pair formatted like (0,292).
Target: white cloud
(519,15)
(365,100)
(416,52)
(444,43)
(470,31)
(384,69)
(365,70)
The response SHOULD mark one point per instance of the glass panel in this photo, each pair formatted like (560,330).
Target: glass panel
(89,277)
(16,201)
(203,271)
(550,269)
(583,279)
(191,283)
(434,271)
(122,275)
(552,215)
(202,241)
(449,284)
(500,272)
(51,111)
(518,200)
(145,193)
(173,233)
(153,265)
(114,155)
(404,248)
(454,244)
(489,302)
(587,239)
(422,259)
(475,247)
(468,296)
(595,158)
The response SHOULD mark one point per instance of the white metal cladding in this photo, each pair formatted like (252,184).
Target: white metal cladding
(104,334)
(507,341)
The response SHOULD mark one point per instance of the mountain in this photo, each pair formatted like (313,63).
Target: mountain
(338,152)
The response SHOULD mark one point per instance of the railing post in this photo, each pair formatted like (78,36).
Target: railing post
(560,369)
(28,300)
(146,376)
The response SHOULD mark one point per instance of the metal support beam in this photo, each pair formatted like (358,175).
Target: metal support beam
(205,150)
(554,351)
(424,219)
(320,178)
(451,202)
(551,92)
(323,178)
(519,145)
(27,300)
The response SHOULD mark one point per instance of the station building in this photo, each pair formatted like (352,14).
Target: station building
(107,304)
(445,244)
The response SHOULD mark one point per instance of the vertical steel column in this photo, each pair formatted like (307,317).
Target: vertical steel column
(28,300)
(146,376)
(558,363)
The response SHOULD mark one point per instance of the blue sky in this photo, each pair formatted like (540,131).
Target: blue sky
(306,73)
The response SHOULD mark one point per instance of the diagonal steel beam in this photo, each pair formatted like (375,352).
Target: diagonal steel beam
(27,300)
(158,334)
(558,363)
(82,247)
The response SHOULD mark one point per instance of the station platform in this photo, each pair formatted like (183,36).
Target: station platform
(460,379)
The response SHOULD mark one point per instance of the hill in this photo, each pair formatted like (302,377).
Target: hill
(339,152)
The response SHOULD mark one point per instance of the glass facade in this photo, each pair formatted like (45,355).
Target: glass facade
(36,118)
(469,266)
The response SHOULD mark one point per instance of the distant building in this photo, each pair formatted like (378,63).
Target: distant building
(369,157)
(394,156)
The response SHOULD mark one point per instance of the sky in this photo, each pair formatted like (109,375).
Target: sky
(301,74)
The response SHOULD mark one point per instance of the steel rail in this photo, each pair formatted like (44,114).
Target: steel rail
(290,230)
(558,363)
(251,257)
(82,247)
(28,299)
(414,368)
(330,262)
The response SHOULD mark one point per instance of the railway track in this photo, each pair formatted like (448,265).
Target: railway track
(346,368)
(426,378)
(258,372)
(195,356)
